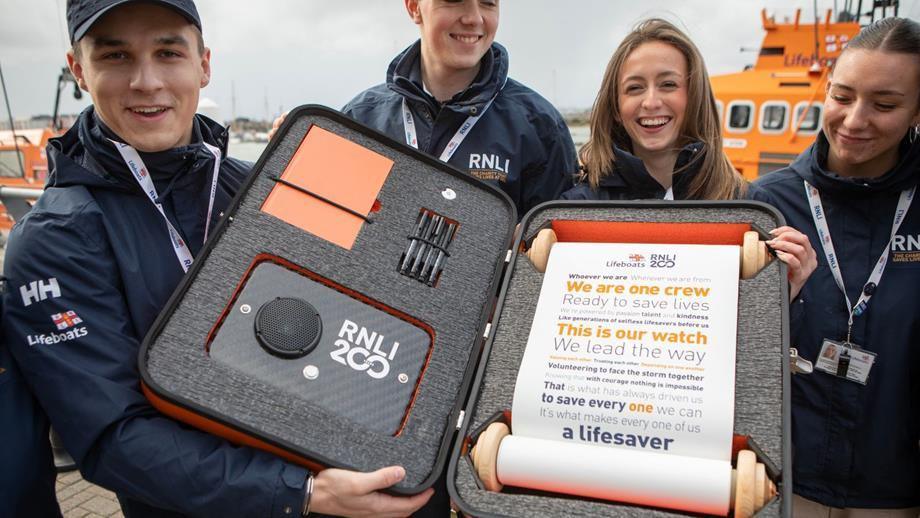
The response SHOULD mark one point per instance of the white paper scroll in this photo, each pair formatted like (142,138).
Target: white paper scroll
(652,479)
(627,382)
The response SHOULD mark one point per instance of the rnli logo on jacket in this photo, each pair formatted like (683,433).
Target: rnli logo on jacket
(489,167)
(905,248)
(37,291)
(66,324)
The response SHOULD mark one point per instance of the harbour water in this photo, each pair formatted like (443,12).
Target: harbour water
(252,150)
(247,150)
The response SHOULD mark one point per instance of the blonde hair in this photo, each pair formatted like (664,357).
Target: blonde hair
(717,179)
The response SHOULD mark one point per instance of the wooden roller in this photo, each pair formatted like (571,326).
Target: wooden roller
(751,487)
(754,254)
(760,485)
(745,479)
(485,454)
(769,488)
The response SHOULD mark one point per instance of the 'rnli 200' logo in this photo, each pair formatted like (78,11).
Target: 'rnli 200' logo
(362,350)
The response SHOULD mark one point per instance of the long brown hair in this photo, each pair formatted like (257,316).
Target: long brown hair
(717,179)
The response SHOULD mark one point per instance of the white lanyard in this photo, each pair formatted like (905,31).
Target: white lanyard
(133,160)
(669,194)
(824,235)
(465,128)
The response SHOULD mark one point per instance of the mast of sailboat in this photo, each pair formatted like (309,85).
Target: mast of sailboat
(232,103)
(817,61)
(9,112)
(876,5)
(63,79)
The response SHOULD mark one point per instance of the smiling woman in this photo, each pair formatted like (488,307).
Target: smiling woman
(652,98)
(871,101)
(654,126)
(655,135)
(857,438)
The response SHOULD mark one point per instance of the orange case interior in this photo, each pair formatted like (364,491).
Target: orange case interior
(574,231)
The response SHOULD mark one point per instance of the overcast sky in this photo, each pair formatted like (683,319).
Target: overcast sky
(282,53)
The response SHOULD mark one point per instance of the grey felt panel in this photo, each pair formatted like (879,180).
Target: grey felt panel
(759,362)
(178,363)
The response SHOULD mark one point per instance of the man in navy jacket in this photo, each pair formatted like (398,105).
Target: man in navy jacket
(135,187)
(453,87)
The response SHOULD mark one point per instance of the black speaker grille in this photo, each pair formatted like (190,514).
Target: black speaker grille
(288,327)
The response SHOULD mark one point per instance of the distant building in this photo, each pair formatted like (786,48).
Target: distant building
(209,109)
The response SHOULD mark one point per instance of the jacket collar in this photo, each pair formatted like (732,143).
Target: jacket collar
(404,77)
(86,156)
(630,172)
(812,166)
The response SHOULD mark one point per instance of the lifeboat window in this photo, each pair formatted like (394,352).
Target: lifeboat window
(808,117)
(774,116)
(740,116)
(9,163)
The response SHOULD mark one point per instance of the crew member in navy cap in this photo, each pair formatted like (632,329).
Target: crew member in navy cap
(92,264)
(83,14)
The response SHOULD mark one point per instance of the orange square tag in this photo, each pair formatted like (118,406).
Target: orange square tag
(334,168)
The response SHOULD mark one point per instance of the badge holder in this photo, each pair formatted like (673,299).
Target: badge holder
(845,360)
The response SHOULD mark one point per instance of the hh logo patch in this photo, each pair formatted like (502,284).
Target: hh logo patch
(905,249)
(489,167)
(65,320)
(37,291)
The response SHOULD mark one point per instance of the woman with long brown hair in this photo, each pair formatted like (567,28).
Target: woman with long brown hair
(655,134)
(655,127)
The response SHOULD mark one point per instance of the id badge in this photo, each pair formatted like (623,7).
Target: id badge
(845,360)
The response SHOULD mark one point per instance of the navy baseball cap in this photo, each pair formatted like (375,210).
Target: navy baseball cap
(82,14)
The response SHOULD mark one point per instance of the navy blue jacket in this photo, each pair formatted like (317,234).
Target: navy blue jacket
(630,180)
(854,445)
(520,145)
(89,269)
(27,473)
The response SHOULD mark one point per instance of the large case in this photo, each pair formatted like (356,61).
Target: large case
(202,362)
(762,410)
(402,273)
